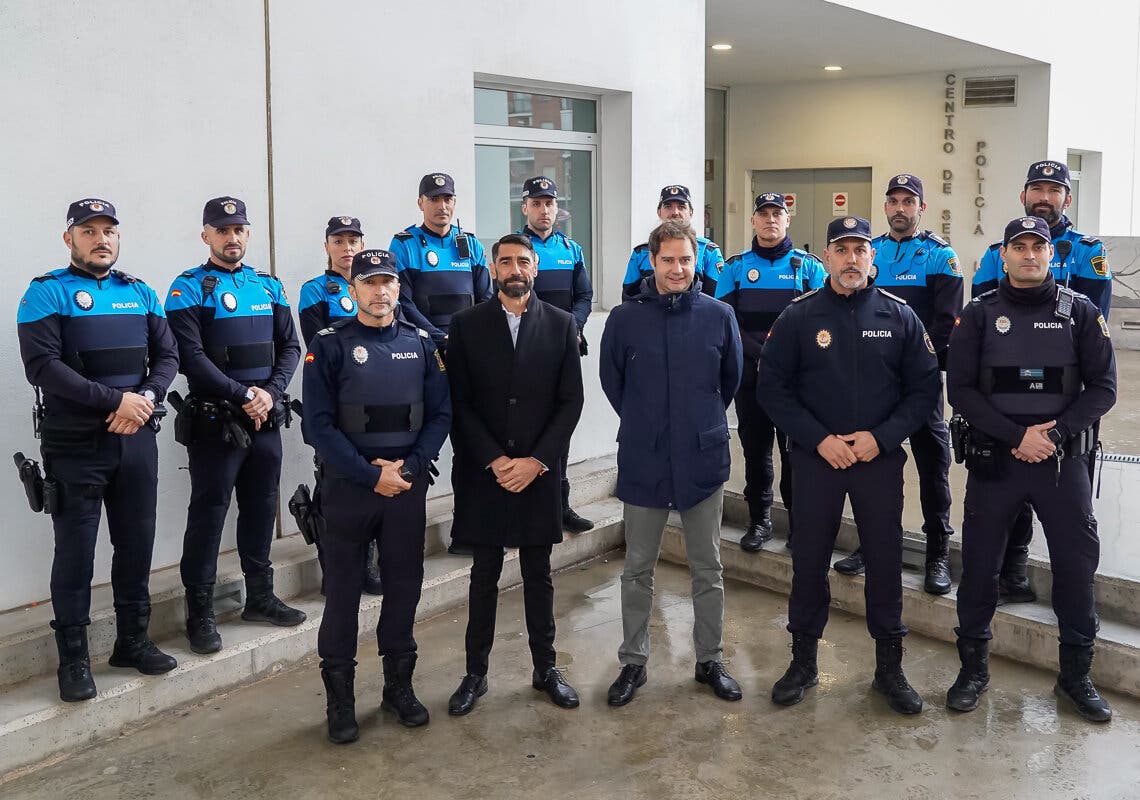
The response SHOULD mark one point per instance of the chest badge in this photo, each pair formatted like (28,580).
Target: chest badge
(1002,325)
(360,354)
(432,258)
(823,338)
(229,302)
(346,304)
(753,275)
(84,300)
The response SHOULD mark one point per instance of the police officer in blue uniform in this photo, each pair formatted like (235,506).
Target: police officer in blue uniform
(238,349)
(564,282)
(758,284)
(922,268)
(676,204)
(95,341)
(1031,370)
(377,411)
(848,372)
(442,267)
(1079,263)
(324,300)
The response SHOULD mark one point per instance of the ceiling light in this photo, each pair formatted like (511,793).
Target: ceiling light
(832,68)
(722,46)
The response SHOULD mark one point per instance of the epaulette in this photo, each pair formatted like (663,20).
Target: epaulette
(641,248)
(187,274)
(807,254)
(934,237)
(267,275)
(1089,240)
(894,297)
(403,236)
(994,246)
(734,259)
(126,276)
(336,326)
(980,297)
(423,333)
(805,296)
(47,276)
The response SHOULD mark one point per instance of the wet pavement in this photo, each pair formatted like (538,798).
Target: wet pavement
(675,740)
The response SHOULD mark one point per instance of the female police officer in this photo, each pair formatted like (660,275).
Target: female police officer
(377,410)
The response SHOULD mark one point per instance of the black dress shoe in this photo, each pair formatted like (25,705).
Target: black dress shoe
(573,522)
(463,699)
(557,689)
(631,678)
(852,565)
(723,685)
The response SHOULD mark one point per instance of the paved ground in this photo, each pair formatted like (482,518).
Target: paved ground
(674,741)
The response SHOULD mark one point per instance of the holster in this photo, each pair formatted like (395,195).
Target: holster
(305,509)
(32,479)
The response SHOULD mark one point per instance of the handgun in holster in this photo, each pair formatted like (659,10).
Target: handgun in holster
(303,506)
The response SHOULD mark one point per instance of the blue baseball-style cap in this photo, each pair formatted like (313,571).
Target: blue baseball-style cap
(1050,171)
(222,211)
(343,225)
(848,228)
(436,183)
(771,199)
(539,186)
(675,191)
(1034,226)
(906,182)
(82,210)
(368,263)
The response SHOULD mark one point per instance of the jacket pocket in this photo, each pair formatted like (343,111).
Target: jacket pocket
(713,436)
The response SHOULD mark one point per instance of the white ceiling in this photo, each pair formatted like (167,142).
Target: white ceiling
(792,40)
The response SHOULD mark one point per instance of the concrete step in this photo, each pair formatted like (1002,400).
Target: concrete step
(27,644)
(1117,599)
(35,723)
(1023,632)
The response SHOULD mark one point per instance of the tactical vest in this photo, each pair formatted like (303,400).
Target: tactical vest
(103,329)
(381,389)
(237,330)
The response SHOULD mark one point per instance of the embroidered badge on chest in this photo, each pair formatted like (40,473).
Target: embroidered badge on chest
(432,258)
(753,275)
(360,354)
(823,339)
(346,303)
(1002,324)
(84,300)
(229,301)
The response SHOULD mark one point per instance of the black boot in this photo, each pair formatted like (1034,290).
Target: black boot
(571,521)
(889,678)
(398,695)
(973,677)
(372,583)
(201,627)
(801,674)
(852,565)
(759,532)
(133,647)
(74,673)
(1073,682)
(341,707)
(262,605)
(937,564)
(1013,583)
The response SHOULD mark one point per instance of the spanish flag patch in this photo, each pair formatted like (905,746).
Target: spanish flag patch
(309,358)
(175,292)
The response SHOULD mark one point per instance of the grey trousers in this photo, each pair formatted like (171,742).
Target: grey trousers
(644,529)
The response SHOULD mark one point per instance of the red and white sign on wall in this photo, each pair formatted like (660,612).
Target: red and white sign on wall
(790,202)
(839,204)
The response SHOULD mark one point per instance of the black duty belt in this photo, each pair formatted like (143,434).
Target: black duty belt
(1029,380)
(109,361)
(382,419)
(258,355)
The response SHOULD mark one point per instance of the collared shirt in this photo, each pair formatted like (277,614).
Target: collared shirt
(513,322)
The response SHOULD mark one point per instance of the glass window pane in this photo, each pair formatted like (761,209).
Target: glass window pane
(499,175)
(527,110)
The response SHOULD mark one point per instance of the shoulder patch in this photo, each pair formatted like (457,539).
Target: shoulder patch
(403,236)
(734,259)
(806,295)
(641,248)
(934,237)
(1090,240)
(894,297)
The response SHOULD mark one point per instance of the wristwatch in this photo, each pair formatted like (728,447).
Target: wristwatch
(249,395)
(148,394)
(1055,436)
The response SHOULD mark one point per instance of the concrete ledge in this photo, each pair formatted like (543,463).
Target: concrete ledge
(1022,632)
(35,723)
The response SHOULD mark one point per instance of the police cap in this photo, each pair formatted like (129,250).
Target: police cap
(1034,226)
(675,191)
(771,199)
(222,211)
(368,263)
(848,228)
(1050,171)
(908,183)
(436,183)
(343,225)
(82,210)
(539,187)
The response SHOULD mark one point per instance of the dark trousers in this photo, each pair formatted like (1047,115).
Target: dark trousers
(538,599)
(876,491)
(354,515)
(930,446)
(121,474)
(1064,507)
(218,471)
(757,433)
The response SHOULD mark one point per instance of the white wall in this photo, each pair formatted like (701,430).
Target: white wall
(157,112)
(891,125)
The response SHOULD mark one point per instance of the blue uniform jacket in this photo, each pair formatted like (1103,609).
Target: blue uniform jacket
(758,289)
(1086,266)
(563,280)
(709,265)
(85,340)
(332,353)
(436,281)
(245,311)
(323,300)
(670,366)
(923,270)
(837,364)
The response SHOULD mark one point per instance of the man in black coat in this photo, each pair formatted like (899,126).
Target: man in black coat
(516,384)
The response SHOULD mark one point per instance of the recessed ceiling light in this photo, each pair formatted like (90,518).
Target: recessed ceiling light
(722,46)
(833,68)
